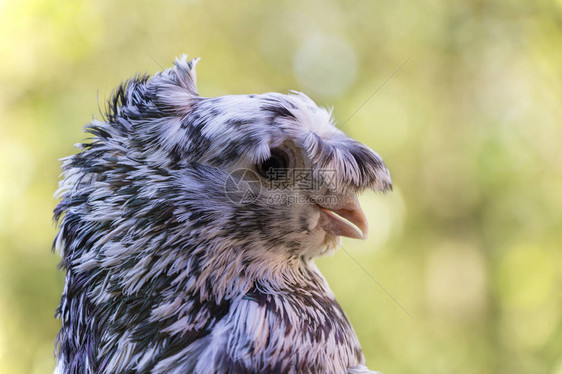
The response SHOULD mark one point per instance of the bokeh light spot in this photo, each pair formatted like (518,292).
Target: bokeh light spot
(456,281)
(325,66)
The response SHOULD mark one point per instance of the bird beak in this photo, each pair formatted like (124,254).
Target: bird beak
(348,220)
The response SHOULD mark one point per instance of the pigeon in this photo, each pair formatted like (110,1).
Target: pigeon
(188,228)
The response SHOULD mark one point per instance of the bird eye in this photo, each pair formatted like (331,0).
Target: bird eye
(275,164)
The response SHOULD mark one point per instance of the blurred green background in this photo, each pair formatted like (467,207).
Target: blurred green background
(469,243)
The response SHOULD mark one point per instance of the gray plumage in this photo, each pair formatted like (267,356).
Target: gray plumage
(170,270)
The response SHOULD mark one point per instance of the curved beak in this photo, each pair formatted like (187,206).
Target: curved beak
(348,220)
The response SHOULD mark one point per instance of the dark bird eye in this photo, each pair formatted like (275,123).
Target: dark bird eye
(270,168)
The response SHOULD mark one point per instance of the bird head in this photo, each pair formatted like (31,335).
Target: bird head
(170,173)
(269,167)
(276,168)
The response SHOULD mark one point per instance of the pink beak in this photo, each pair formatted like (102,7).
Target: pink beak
(348,220)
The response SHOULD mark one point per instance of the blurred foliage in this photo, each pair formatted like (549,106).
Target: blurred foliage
(469,242)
